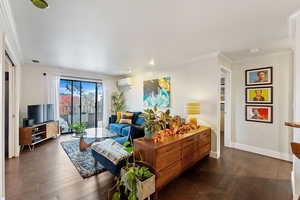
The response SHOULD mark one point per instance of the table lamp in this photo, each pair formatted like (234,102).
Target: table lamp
(192,109)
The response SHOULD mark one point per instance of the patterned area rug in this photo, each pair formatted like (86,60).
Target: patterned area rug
(83,161)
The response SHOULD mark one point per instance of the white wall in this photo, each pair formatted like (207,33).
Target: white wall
(197,81)
(296,131)
(268,139)
(34,88)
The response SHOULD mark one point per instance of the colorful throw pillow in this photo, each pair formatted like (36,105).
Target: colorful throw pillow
(126,118)
(118,117)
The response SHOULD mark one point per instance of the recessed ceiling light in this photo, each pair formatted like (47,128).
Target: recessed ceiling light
(152,62)
(35,61)
(255,50)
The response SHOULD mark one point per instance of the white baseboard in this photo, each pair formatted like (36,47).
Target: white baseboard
(265,152)
(214,154)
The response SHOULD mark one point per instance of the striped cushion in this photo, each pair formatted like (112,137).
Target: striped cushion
(126,118)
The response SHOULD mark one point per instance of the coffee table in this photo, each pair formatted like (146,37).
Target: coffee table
(96,133)
(99,134)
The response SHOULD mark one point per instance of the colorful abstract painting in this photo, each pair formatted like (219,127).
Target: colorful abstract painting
(157,92)
(257,113)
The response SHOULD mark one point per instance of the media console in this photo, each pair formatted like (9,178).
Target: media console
(38,133)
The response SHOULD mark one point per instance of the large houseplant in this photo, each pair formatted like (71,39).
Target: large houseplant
(118,102)
(138,181)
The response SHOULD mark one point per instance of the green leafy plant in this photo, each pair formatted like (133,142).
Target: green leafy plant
(78,127)
(156,120)
(151,124)
(129,179)
(118,102)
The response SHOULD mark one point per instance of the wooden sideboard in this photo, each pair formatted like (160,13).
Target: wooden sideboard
(175,154)
(38,133)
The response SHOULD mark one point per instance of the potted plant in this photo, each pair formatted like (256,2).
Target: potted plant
(155,121)
(78,128)
(136,178)
(118,102)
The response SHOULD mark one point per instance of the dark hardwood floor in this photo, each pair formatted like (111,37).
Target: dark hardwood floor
(48,174)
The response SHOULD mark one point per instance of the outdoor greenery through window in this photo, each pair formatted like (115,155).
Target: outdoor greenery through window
(80,102)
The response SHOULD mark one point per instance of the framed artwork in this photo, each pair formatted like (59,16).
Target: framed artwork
(259,95)
(257,113)
(259,76)
(157,92)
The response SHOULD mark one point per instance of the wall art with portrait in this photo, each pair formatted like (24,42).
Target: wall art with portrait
(157,92)
(257,113)
(259,76)
(259,95)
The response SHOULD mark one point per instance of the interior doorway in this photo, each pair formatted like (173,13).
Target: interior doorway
(225,108)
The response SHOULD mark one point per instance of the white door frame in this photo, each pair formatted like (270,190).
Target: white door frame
(227,108)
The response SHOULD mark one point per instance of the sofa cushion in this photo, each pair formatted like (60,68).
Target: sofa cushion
(126,118)
(139,121)
(125,131)
(135,116)
(117,127)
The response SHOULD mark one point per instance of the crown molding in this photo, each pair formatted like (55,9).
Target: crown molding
(8,26)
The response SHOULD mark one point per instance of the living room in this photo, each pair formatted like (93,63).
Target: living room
(200,92)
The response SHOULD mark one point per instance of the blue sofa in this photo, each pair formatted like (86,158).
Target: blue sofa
(125,131)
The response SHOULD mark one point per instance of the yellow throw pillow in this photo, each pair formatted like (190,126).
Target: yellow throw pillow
(118,117)
(126,118)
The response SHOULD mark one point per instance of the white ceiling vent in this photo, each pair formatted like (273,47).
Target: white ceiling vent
(126,82)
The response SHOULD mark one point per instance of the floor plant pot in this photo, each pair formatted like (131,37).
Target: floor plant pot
(144,188)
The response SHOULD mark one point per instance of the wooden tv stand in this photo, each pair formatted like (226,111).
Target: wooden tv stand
(38,133)
(174,154)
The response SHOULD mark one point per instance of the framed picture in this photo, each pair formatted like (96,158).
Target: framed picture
(257,113)
(259,76)
(157,92)
(259,95)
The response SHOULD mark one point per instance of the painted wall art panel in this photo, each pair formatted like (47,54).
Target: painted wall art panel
(157,92)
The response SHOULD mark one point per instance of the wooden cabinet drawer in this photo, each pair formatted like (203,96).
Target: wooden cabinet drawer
(168,174)
(202,152)
(167,156)
(204,139)
(52,129)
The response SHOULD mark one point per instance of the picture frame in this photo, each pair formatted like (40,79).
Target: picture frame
(259,76)
(259,95)
(259,113)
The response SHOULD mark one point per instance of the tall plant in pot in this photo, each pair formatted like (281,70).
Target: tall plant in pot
(117,101)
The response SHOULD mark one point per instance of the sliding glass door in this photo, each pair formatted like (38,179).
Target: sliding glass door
(80,102)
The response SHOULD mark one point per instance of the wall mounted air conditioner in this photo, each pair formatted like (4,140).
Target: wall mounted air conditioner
(126,82)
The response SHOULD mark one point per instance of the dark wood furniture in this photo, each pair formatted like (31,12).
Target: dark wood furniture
(295,146)
(174,154)
(38,133)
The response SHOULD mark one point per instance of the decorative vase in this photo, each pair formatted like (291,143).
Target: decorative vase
(148,134)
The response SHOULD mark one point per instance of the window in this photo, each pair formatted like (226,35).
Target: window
(80,102)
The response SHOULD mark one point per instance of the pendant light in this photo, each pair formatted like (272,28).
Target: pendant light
(42,4)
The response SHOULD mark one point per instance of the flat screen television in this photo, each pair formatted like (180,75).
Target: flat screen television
(41,113)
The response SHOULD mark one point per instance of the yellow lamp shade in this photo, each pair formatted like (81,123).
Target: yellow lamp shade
(192,108)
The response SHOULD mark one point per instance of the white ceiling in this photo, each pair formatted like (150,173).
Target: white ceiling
(111,36)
